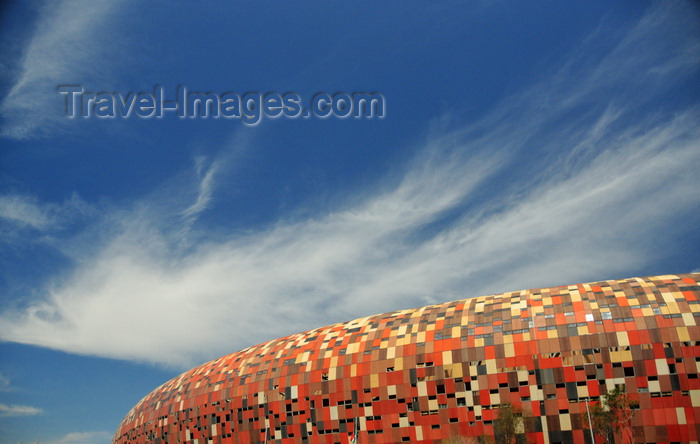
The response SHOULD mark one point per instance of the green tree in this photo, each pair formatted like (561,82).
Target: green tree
(615,414)
(508,425)
(459,439)
(601,420)
(623,409)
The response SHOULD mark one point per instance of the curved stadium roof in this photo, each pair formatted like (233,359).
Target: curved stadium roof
(435,372)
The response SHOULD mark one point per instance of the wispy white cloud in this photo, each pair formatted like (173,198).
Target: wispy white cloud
(4,382)
(69,37)
(84,438)
(21,216)
(206,174)
(579,185)
(18,410)
(24,211)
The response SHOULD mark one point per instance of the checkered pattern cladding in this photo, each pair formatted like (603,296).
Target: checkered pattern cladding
(435,372)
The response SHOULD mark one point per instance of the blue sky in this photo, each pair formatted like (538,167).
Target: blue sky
(524,144)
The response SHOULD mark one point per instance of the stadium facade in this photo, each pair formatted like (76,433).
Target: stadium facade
(437,372)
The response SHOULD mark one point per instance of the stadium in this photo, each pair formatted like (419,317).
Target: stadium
(445,372)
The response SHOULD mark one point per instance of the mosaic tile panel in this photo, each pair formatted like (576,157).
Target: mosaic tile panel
(427,374)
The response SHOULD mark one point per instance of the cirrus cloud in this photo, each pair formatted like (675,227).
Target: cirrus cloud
(586,177)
